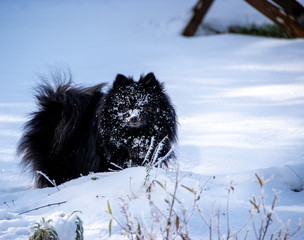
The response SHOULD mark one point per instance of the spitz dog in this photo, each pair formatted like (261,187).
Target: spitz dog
(79,130)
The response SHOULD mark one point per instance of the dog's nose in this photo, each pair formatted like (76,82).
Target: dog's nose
(134,119)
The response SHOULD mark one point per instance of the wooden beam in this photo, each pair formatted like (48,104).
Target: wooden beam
(286,22)
(200,10)
(293,8)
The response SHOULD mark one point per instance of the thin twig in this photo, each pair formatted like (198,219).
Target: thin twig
(49,205)
(150,149)
(47,178)
(298,229)
(131,188)
(227,214)
(168,229)
(157,151)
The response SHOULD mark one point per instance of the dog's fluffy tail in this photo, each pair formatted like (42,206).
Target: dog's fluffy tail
(64,114)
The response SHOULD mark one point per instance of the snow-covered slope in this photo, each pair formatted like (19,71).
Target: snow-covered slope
(239,99)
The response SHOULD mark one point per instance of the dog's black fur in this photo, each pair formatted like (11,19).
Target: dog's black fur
(81,130)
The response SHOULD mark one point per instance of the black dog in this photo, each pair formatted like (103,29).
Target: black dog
(81,130)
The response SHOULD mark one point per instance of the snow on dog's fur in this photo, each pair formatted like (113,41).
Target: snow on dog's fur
(80,130)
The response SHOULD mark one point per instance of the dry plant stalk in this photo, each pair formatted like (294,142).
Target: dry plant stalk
(174,222)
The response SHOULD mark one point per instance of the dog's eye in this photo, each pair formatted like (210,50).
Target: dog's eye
(125,109)
(144,108)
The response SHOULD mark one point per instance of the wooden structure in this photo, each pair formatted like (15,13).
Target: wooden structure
(287,14)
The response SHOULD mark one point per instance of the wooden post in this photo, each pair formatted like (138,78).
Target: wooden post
(287,22)
(200,11)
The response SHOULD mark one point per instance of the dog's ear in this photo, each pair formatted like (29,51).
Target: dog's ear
(121,81)
(149,80)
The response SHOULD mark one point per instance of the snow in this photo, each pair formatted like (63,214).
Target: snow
(239,100)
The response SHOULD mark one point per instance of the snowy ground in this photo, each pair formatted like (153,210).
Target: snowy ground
(240,102)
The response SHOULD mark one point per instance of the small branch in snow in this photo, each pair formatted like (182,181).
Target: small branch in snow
(131,188)
(47,178)
(166,156)
(149,151)
(157,151)
(49,205)
(6,203)
(115,165)
(171,205)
